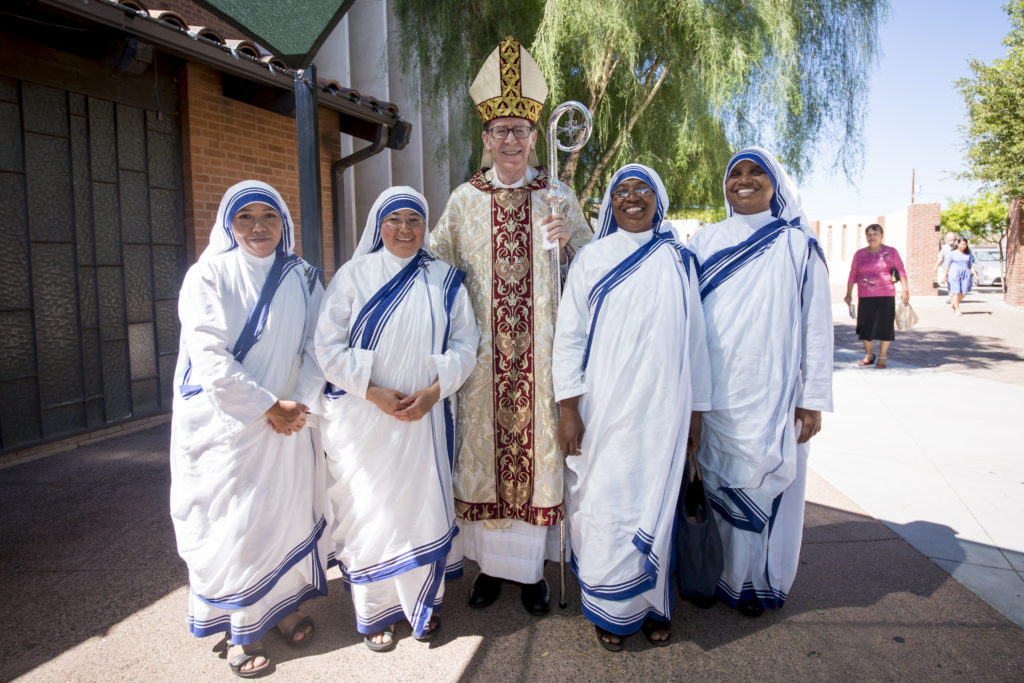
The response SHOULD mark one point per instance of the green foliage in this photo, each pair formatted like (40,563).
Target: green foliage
(983,218)
(674,84)
(995,130)
(449,41)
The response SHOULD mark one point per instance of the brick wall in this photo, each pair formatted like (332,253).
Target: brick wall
(226,141)
(922,247)
(1015,254)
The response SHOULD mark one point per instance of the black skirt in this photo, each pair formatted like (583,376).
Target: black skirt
(876,317)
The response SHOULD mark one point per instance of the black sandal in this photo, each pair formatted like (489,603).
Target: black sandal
(288,635)
(238,661)
(433,626)
(652,625)
(387,646)
(611,647)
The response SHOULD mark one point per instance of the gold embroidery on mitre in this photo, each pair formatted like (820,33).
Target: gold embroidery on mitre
(499,107)
(511,101)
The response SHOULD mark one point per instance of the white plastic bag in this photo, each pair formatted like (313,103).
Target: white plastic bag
(906,318)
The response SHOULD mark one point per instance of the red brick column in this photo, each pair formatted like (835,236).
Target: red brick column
(922,247)
(1015,254)
(226,141)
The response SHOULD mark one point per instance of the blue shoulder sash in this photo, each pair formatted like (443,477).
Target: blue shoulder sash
(257,319)
(723,264)
(375,313)
(617,275)
(452,282)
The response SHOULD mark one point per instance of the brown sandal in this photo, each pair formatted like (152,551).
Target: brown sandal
(433,626)
(607,644)
(238,661)
(866,360)
(288,634)
(881,363)
(652,625)
(387,646)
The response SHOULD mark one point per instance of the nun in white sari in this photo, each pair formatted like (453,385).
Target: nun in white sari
(247,477)
(765,291)
(630,366)
(396,338)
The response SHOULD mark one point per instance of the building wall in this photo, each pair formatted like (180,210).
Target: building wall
(91,180)
(1015,254)
(226,141)
(363,53)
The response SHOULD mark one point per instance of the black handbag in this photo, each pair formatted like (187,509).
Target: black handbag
(699,557)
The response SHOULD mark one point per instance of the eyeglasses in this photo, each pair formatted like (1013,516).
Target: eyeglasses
(641,192)
(396,222)
(501,132)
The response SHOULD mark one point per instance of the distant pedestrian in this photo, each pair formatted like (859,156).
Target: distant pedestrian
(875,270)
(945,250)
(958,273)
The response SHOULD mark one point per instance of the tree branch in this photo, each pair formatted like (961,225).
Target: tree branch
(597,91)
(625,130)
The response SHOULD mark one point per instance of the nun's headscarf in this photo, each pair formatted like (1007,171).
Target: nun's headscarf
(606,219)
(785,202)
(238,197)
(391,200)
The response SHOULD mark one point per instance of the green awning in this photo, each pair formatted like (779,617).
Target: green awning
(293,30)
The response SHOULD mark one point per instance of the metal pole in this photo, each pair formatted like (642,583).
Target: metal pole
(307,125)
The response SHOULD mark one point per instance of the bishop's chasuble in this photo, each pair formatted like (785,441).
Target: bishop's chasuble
(507,466)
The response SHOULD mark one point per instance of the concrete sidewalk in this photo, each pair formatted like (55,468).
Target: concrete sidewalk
(933,445)
(94,590)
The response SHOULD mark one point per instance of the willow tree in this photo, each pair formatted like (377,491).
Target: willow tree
(675,84)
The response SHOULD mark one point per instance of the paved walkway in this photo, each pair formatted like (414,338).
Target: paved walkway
(94,590)
(933,445)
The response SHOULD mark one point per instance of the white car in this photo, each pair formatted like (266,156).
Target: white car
(989,266)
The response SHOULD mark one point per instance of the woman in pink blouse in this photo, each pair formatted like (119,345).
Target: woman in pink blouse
(875,270)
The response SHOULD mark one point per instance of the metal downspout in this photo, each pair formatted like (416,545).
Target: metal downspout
(342,249)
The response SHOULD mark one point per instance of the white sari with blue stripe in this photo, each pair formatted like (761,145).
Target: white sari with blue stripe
(248,504)
(402,323)
(766,298)
(630,343)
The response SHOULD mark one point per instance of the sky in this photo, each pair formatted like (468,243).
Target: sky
(915,113)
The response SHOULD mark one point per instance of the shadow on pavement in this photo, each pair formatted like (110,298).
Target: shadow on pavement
(930,347)
(86,542)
